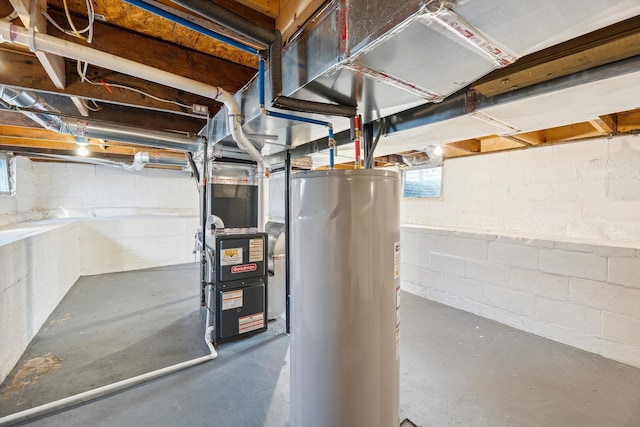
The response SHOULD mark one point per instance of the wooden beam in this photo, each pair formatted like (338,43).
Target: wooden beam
(605,124)
(469,145)
(293,15)
(613,43)
(570,132)
(529,138)
(629,121)
(21,70)
(498,143)
(165,56)
(451,151)
(53,65)
(123,15)
(270,8)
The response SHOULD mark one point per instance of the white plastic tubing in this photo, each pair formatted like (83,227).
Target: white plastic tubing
(42,42)
(107,389)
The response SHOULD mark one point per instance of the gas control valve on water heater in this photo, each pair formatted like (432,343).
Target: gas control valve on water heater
(345,288)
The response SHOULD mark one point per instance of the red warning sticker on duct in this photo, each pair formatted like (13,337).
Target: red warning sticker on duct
(251,323)
(244,268)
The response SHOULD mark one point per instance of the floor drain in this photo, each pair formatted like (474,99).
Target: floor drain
(408,423)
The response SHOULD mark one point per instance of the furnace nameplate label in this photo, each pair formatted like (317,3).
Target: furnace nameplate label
(251,323)
(231,256)
(231,299)
(256,250)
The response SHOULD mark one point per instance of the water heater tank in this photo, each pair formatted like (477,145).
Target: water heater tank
(345,285)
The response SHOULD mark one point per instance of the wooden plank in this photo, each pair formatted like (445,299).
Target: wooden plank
(498,143)
(451,151)
(175,59)
(613,43)
(529,138)
(123,15)
(469,146)
(53,65)
(270,8)
(570,132)
(21,70)
(294,14)
(605,124)
(629,121)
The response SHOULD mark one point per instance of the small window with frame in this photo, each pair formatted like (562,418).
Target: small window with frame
(422,182)
(5,175)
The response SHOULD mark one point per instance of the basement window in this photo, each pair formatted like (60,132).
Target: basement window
(422,182)
(5,175)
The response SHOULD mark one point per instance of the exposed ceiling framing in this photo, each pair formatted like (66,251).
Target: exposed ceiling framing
(132,33)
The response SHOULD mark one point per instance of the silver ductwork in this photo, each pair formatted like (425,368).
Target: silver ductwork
(393,55)
(84,128)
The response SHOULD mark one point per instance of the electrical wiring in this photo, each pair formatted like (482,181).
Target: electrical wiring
(96,108)
(73,27)
(84,78)
(74,31)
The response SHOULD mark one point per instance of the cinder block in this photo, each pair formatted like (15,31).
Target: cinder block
(621,329)
(454,266)
(488,272)
(614,251)
(516,255)
(466,248)
(539,283)
(463,288)
(575,247)
(607,297)
(571,316)
(575,264)
(624,271)
(512,301)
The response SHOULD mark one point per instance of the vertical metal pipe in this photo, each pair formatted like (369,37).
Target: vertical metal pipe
(203,226)
(367,142)
(287,243)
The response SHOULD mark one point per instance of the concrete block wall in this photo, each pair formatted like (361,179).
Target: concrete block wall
(584,295)
(129,243)
(21,206)
(73,190)
(38,265)
(100,220)
(588,191)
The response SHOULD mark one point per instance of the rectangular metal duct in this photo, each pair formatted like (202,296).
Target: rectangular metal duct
(391,55)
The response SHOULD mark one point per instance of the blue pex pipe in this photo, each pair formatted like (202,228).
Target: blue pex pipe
(188,24)
(297,118)
(261,81)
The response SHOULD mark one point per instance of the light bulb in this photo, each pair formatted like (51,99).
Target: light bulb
(438,150)
(82,151)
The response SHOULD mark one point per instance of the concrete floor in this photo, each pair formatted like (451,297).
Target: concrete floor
(457,369)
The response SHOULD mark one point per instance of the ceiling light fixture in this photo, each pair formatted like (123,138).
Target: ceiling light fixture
(82,143)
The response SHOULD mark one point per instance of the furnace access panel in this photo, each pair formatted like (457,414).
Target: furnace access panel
(241,281)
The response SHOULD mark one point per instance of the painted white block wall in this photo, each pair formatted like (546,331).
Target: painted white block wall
(100,220)
(587,192)
(546,240)
(584,295)
(38,265)
(21,206)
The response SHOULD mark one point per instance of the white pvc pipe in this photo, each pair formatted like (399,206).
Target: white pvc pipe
(108,389)
(261,196)
(45,43)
